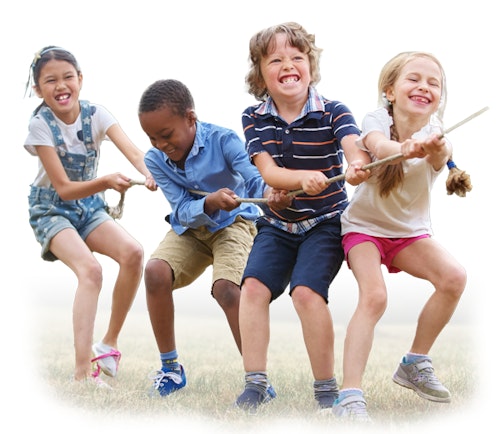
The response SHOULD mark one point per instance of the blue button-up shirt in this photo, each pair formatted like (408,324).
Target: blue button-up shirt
(217,159)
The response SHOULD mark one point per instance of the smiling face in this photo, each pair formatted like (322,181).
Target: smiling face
(286,72)
(418,88)
(59,85)
(171,133)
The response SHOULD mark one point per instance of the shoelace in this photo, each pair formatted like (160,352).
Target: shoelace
(159,376)
(113,353)
(96,372)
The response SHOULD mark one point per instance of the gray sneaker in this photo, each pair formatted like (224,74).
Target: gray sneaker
(420,377)
(353,408)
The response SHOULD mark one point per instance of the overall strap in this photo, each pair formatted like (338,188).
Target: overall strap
(85,115)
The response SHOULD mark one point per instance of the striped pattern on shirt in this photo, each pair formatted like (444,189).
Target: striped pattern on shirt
(312,141)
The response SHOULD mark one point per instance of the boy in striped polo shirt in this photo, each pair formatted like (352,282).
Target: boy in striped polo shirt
(297,140)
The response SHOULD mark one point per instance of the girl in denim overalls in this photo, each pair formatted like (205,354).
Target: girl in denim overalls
(67,210)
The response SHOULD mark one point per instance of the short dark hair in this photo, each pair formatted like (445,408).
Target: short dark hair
(167,93)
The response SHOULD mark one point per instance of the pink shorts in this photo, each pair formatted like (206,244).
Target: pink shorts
(388,247)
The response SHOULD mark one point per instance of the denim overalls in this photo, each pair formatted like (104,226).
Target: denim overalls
(49,214)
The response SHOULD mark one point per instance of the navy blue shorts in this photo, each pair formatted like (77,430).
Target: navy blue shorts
(313,259)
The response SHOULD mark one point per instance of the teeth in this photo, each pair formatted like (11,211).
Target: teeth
(290,80)
(421,99)
(62,97)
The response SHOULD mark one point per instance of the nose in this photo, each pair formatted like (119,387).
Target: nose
(60,84)
(159,144)
(287,64)
(423,86)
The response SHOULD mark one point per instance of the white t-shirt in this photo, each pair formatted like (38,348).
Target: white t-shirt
(40,134)
(405,212)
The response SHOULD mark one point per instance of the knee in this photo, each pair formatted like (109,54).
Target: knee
(158,276)
(226,293)
(454,282)
(255,293)
(374,301)
(133,256)
(305,298)
(91,274)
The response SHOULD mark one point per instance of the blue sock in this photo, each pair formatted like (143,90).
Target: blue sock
(344,393)
(410,358)
(169,361)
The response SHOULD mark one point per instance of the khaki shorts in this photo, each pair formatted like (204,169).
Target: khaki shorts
(191,253)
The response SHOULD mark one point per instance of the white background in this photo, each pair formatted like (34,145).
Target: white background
(123,47)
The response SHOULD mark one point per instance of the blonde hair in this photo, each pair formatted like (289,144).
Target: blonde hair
(392,176)
(263,42)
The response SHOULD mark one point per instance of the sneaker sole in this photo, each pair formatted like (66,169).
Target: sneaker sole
(405,383)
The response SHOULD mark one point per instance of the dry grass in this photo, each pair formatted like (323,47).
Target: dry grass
(215,376)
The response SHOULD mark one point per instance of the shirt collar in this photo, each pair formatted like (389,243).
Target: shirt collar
(314,103)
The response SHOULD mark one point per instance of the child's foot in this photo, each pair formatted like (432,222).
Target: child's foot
(167,381)
(252,397)
(107,358)
(420,377)
(353,408)
(93,382)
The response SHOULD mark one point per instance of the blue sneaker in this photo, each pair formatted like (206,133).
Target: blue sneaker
(252,397)
(167,382)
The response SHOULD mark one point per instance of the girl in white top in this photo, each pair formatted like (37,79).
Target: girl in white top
(388,222)
(66,206)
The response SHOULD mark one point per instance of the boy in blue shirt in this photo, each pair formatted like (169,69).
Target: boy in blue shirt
(189,158)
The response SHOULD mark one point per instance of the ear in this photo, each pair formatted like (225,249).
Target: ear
(191,117)
(36,89)
(80,79)
(389,94)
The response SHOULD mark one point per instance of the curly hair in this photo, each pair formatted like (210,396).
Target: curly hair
(263,42)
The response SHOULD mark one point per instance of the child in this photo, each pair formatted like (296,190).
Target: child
(297,139)
(67,211)
(387,222)
(213,229)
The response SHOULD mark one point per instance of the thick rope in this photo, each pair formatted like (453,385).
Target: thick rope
(458,181)
(116,212)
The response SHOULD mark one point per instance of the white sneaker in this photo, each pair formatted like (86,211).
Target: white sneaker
(420,377)
(107,358)
(353,408)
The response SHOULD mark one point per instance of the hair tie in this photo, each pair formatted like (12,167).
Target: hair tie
(451,164)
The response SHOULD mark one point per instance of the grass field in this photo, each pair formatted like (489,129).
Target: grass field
(215,378)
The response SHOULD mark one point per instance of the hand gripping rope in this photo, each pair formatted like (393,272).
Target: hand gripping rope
(458,181)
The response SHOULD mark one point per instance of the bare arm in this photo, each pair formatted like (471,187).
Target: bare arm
(436,150)
(72,190)
(131,152)
(356,158)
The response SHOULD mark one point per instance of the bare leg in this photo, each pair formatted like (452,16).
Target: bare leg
(112,240)
(158,278)
(68,246)
(428,260)
(227,295)
(365,264)
(254,324)
(317,330)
